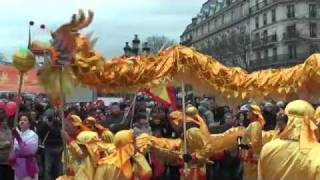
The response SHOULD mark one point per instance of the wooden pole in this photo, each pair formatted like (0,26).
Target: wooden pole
(61,112)
(18,99)
(133,109)
(185,150)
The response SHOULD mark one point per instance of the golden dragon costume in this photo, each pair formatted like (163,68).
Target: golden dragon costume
(172,65)
(124,163)
(73,58)
(252,139)
(201,145)
(85,149)
(295,155)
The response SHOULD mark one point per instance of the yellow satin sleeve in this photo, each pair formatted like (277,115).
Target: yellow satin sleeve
(76,150)
(145,141)
(141,166)
(226,140)
(254,137)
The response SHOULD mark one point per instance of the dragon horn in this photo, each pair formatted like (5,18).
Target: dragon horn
(93,42)
(85,22)
(89,35)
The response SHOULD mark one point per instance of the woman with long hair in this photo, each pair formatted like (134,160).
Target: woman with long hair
(23,158)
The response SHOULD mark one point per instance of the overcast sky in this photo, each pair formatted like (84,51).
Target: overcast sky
(115,21)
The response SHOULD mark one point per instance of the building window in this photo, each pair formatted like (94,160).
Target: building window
(222,19)
(274,15)
(265,35)
(241,10)
(292,49)
(242,29)
(257,22)
(292,28)
(266,54)
(265,2)
(313,30)
(232,15)
(257,36)
(290,11)
(274,54)
(312,10)
(265,19)
(258,55)
(291,32)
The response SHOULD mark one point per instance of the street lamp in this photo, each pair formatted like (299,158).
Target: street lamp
(127,49)
(146,48)
(135,45)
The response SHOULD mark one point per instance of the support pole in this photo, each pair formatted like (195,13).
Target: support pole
(185,150)
(133,109)
(18,99)
(61,112)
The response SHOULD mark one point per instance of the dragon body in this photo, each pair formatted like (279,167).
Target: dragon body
(174,65)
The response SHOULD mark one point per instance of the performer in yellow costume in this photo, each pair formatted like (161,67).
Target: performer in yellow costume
(124,163)
(85,148)
(201,145)
(171,151)
(251,143)
(317,121)
(295,155)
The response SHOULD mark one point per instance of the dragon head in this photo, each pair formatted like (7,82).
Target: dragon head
(66,40)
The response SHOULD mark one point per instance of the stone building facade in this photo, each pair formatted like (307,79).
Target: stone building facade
(281,32)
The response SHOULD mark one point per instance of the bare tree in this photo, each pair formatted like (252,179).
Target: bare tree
(158,42)
(231,48)
(3,59)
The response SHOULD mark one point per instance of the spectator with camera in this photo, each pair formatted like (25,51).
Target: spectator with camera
(51,142)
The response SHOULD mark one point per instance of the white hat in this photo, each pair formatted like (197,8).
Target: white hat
(268,104)
(281,104)
(244,108)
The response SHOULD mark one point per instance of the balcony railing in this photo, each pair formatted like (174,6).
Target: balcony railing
(270,39)
(187,42)
(287,36)
(282,60)
(261,5)
(265,41)
(313,14)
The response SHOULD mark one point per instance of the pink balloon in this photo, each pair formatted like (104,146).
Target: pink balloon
(2,104)
(11,108)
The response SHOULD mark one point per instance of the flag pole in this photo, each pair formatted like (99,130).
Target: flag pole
(185,150)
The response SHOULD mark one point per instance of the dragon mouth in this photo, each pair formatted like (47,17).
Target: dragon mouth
(40,48)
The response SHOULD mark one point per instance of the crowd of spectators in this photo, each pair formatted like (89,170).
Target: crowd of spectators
(148,117)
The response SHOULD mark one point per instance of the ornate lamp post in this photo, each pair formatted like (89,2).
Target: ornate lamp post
(134,50)
(146,49)
(135,45)
(127,50)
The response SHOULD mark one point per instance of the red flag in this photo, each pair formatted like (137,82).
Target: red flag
(164,95)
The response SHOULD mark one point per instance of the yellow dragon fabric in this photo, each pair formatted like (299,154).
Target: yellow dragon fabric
(174,65)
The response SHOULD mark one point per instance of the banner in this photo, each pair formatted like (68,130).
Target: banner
(9,80)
